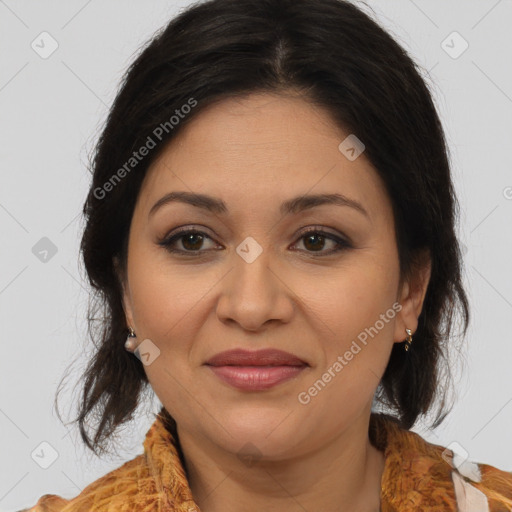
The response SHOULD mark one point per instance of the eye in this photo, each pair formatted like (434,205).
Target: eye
(315,241)
(192,241)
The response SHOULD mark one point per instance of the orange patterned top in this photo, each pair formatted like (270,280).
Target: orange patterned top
(418,477)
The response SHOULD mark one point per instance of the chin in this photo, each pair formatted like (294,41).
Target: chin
(261,429)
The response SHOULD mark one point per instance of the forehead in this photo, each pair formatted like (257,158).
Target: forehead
(259,150)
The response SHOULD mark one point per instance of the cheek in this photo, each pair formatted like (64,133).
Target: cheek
(165,295)
(349,300)
(169,304)
(356,310)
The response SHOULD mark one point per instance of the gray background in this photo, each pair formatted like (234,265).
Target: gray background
(51,113)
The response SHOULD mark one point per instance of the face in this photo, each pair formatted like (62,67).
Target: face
(320,282)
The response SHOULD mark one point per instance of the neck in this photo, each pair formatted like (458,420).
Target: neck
(342,474)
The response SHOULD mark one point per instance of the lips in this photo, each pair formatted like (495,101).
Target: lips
(256,370)
(264,357)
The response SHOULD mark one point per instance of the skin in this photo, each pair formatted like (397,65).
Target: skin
(254,153)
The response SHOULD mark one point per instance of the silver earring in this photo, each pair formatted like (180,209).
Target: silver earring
(129,344)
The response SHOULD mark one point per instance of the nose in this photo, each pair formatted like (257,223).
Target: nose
(255,293)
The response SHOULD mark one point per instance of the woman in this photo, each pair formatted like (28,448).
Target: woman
(271,227)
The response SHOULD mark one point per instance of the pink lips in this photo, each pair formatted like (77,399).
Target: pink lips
(255,370)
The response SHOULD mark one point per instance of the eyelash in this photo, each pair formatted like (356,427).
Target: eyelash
(167,242)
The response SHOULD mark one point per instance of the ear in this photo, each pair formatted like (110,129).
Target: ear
(125,292)
(411,297)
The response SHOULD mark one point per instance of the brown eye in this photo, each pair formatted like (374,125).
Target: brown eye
(315,240)
(191,241)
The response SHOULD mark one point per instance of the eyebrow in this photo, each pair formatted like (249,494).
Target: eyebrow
(289,207)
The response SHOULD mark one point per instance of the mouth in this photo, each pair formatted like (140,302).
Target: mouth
(264,357)
(256,370)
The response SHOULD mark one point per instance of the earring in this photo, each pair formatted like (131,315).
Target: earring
(408,340)
(129,344)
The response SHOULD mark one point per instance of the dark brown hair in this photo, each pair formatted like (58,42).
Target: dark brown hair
(335,56)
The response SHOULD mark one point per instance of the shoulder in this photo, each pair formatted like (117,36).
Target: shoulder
(422,476)
(151,482)
(130,484)
(477,483)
